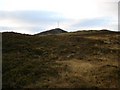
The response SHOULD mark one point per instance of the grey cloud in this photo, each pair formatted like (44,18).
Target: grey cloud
(38,19)
(32,16)
(94,22)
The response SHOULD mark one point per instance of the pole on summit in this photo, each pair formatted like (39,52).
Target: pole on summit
(58,24)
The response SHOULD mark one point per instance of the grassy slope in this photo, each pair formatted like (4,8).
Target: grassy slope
(82,59)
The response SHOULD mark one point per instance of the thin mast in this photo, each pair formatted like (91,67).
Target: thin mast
(58,24)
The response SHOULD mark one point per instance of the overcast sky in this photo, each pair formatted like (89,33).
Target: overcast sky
(34,16)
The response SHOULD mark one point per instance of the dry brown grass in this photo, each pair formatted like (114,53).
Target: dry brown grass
(82,73)
(71,60)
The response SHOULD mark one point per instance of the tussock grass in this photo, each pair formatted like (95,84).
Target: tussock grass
(86,59)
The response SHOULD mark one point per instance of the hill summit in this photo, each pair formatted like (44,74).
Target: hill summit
(53,31)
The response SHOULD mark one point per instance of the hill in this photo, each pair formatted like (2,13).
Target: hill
(52,31)
(82,59)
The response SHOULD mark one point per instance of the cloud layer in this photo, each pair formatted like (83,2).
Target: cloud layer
(33,16)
